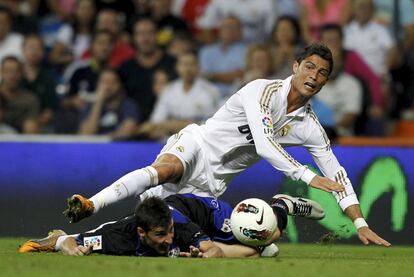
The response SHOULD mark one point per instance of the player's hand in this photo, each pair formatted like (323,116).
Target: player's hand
(326,184)
(80,250)
(366,235)
(194,253)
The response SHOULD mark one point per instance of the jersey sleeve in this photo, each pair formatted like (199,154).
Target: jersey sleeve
(256,97)
(319,147)
(113,238)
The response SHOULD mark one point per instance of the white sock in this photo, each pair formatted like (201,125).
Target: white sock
(131,184)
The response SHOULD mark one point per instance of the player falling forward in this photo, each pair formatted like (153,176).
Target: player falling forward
(181,225)
(254,123)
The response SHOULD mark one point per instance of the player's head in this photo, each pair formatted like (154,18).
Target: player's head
(155,226)
(311,69)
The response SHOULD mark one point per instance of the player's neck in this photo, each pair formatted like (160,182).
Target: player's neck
(295,100)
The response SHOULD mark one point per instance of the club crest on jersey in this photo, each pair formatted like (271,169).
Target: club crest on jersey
(284,130)
(95,241)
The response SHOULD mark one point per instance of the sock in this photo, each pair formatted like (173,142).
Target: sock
(281,210)
(131,184)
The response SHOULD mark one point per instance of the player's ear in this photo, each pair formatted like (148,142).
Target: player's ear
(295,67)
(141,232)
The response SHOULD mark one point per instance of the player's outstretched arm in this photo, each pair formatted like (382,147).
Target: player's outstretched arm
(71,248)
(326,184)
(237,250)
(365,234)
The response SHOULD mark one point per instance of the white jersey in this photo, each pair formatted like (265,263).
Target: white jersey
(254,124)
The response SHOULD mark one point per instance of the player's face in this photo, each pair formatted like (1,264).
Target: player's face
(159,238)
(310,75)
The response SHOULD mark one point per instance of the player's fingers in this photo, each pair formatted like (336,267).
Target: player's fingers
(364,240)
(185,254)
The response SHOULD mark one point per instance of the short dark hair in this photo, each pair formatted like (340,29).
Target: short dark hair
(333,27)
(151,213)
(319,49)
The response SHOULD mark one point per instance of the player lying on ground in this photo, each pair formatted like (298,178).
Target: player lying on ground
(254,123)
(182,225)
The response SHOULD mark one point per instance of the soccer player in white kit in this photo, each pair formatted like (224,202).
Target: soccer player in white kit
(255,123)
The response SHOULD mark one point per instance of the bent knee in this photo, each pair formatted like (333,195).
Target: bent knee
(169,168)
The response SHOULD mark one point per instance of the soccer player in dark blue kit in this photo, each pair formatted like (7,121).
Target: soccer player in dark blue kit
(180,225)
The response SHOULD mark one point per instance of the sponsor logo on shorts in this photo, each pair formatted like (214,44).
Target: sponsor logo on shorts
(267,122)
(95,241)
(180,149)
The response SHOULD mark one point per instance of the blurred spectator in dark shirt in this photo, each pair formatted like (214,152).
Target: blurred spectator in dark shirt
(73,39)
(168,25)
(23,23)
(80,79)
(21,109)
(10,43)
(286,43)
(39,80)
(137,73)
(112,113)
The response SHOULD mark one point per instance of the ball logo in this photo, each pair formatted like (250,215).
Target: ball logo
(255,234)
(247,208)
(267,122)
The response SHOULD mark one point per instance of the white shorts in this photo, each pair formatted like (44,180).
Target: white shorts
(197,177)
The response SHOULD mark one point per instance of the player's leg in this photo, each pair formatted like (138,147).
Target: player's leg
(167,168)
(47,244)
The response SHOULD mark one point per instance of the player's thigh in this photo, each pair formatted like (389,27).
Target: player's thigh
(177,158)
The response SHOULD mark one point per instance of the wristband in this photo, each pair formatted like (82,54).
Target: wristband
(360,222)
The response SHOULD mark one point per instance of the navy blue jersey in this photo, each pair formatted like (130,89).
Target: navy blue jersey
(211,214)
(121,237)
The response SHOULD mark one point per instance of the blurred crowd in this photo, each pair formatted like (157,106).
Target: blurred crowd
(144,69)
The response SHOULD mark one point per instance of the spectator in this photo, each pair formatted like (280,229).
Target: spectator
(4,128)
(23,23)
(21,108)
(353,64)
(80,79)
(10,43)
(39,80)
(286,42)
(343,95)
(186,100)
(110,20)
(168,25)
(190,11)
(73,39)
(223,62)
(181,43)
(112,113)
(257,17)
(259,65)
(160,81)
(371,40)
(148,59)
(316,13)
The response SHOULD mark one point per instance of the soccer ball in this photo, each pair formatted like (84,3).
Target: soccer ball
(253,222)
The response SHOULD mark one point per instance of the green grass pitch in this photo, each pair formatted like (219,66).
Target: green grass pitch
(293,260)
